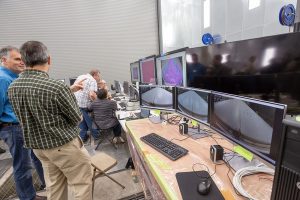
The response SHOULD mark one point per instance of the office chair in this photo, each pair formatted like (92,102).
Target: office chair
(101,163)
(104,133)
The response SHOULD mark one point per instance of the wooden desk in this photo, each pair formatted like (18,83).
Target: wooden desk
(158,172)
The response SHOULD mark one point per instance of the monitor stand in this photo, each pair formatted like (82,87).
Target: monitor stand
(155,119)
(133,100)
(238,162)
(197,133)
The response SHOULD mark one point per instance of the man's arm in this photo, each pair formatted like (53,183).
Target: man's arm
(77,85)
(4,84)
(68,105)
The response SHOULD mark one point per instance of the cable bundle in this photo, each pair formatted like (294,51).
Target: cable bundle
(237,179)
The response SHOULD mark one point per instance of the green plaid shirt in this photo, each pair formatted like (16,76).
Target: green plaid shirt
(46,108)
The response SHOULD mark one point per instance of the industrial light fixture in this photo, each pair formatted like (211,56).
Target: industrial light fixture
(206,14)
(254,4)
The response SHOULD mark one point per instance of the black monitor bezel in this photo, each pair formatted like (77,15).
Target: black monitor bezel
(191,117)
(119,83)
(133,81)
(261,102)
(140,66)
(167,56)
(158,108)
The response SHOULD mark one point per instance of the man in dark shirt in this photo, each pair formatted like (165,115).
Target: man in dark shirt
(11,131)
(49,114)
(103,114)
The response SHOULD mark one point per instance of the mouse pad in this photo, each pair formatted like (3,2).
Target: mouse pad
(188,184)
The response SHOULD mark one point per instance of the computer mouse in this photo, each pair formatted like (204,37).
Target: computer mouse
(204,187)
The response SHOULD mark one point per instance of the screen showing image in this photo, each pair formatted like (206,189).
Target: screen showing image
(254,124)
(265,68)
(172,71)
(126,87)
(135,71)
(157,97)
(193,103)
(148,70)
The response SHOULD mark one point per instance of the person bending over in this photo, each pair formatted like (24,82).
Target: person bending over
(84,97)
(103,111)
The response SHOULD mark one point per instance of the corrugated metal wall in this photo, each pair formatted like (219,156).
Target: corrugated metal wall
(80,34)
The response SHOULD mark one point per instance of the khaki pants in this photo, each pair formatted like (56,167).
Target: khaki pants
(69,164)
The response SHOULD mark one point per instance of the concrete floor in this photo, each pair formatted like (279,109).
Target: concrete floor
(104,188)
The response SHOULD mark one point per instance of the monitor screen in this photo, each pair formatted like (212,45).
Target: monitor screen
(193,103)
(147,68)
(157,97)
(117,86)
(171,69)
(126,87)
(72,80)
(264,68)
(135,72)
(253,124)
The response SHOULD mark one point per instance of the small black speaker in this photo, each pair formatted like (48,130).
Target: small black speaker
(183,128)
(286,185)
(216,153)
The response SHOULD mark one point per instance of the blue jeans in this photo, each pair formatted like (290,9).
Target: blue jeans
(86,124)
(22,165)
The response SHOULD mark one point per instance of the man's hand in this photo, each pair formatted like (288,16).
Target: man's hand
(77,86)
(93,95)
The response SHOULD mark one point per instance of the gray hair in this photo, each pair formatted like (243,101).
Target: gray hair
(4,52)
(34,53)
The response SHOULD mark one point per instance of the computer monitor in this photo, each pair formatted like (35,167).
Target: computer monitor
(118,86)
(254,124)
(193,103)
(157,97)
(72,80)
(133,93)
(126,87)
(171,69)
(135,72)
(147,69)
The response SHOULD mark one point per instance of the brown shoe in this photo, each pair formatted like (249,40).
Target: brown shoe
(37,197)
(121,139)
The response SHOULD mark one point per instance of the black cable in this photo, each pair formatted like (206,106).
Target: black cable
(210,175)
(230,169)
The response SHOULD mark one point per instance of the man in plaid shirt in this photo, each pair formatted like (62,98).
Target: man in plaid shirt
(49,115)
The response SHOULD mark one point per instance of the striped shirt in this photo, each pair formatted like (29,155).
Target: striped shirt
(89,85)
(104,113)
(46,108)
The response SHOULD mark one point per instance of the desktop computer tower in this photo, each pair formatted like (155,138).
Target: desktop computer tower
(286,184)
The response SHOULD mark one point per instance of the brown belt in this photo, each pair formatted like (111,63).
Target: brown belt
(6,124)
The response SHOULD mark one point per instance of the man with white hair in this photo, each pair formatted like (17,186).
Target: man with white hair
(11,130)
(84,97)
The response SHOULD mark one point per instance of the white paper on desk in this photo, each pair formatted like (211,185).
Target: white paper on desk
(123,115)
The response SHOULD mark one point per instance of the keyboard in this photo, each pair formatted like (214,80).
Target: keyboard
(164,146)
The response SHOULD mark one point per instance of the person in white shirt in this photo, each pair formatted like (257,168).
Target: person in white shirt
(84,97)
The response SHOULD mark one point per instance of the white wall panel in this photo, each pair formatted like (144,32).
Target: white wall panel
(232,19)
(80,35)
